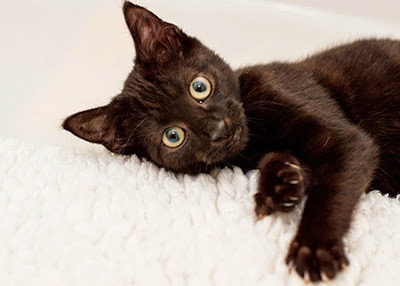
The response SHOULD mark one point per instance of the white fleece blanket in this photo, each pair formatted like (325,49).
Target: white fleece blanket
(69,217)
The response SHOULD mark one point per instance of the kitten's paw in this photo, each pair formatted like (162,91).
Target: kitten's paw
(316,261)
(281,187)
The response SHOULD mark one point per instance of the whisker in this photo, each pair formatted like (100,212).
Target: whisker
(132,133)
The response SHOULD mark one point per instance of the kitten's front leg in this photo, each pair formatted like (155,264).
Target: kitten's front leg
(317,251)
(281,185)
(339,179)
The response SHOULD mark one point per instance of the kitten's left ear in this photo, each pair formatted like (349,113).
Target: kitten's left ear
(155,40)
(100,125)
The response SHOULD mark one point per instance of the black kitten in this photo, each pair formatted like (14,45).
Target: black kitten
(328,126)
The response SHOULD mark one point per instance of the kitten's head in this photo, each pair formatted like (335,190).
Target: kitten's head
(180,106)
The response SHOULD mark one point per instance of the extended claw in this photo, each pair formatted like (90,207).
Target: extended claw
(293,165)
(260,216)
(290,265)
(307,278)
(288,204)
(324,277)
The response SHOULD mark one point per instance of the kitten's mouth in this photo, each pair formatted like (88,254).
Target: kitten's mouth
(227,141)
(224,150)
(233,138)
(227,147)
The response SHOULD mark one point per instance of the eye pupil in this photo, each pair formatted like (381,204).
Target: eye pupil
(173,135)
(199,86)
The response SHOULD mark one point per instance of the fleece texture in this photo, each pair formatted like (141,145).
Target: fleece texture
(73,217)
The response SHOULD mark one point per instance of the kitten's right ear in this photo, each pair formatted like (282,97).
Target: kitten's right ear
(155,40)
(96,126)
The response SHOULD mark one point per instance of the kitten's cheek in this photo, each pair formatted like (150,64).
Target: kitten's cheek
(200,156)
(241,137)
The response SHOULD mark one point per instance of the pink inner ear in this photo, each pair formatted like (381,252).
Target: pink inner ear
(147,37)
(146,34)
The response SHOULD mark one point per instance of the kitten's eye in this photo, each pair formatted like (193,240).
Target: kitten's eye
(173,137)
(200,88)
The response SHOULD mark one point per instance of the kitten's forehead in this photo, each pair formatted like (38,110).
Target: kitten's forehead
(163,90)
(164,82)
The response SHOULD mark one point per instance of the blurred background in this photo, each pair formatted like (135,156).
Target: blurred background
(60,57)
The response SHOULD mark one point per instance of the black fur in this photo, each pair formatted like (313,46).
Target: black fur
(327,127)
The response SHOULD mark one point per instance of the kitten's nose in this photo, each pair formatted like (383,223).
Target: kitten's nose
(219,132)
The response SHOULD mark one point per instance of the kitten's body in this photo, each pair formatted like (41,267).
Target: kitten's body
(328,126)
(356,84)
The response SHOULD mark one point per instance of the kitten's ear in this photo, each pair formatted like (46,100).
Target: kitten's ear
(154,39)
(96,126)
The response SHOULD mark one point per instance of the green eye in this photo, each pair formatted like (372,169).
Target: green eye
(173,137)
(200,88)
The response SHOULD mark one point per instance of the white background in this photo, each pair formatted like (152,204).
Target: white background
(59,57)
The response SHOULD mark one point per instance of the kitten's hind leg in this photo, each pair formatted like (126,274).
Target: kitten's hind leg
(281,185)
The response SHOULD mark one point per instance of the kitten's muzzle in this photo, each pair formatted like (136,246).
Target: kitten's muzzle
(219,132)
